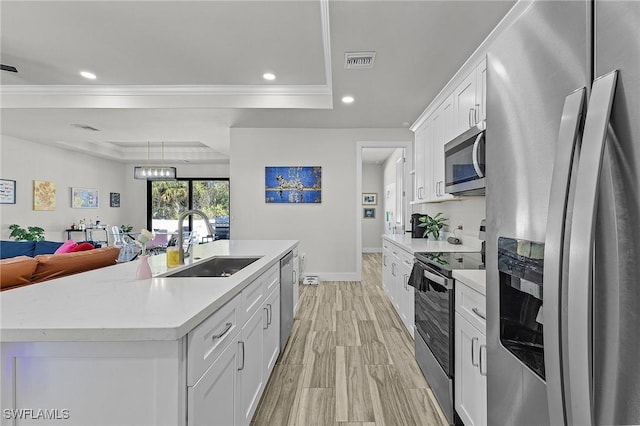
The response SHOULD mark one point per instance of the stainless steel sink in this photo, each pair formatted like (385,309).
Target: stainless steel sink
(216,267)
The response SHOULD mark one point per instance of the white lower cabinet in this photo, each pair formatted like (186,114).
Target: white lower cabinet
(470,357)
(229,391)
(396,269)
(210,399)
(250,368)
(271,332)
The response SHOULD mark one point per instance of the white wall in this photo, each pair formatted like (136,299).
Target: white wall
(326,231)
(468,212)
(372,178)
(25,161)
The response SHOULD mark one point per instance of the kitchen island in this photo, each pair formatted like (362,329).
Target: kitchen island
(104,348)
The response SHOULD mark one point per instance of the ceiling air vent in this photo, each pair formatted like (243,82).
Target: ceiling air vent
(359,60)
(85,127)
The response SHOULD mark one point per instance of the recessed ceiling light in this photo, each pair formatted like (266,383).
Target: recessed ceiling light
(347,99)
(269,76)
(87,74)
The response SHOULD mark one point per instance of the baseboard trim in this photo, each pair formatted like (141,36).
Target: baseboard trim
(335,276)
(372,249)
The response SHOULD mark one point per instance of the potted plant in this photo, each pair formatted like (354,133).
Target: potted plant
(32,233)
(432,225)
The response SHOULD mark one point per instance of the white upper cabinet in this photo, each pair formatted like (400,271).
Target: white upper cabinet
(442,133)
(463,108)
(422,157)
(469,98)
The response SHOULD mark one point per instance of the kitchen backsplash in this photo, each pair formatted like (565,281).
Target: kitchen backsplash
(467,211)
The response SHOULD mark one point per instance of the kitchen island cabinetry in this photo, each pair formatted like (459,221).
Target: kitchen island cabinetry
(166,351)
(470,355)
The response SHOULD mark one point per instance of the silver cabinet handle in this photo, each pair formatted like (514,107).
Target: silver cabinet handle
(583,225)
(270,314)
(470,113)
(384,260)
(393,269)
(476,162)
(473,352)
(264,327)
(483,372)
(295,277)
(476,114)
(242,367)
(406,281)
(227,327)
(478,313)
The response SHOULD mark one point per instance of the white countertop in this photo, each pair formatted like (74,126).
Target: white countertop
(109,304)
(414,245)
(476,279)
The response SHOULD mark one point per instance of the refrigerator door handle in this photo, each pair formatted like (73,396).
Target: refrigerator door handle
(476,163)
(568,136)
(579,311)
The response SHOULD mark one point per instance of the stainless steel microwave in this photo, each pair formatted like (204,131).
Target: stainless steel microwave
(464,163)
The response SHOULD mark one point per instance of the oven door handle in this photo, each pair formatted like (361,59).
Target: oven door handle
(444,282)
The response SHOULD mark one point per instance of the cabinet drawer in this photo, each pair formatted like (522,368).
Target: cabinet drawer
(270,279)
(252,296)
(207,341)
(402,255)
(471,305)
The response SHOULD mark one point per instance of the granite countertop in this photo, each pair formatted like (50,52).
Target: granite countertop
(476,279)
(414,245)
(109,304)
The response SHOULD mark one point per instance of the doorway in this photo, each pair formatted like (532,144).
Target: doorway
(390,210)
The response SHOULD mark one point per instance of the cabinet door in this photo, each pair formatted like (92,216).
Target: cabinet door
(481,91)
(250,368)
(407,308)
(212,399)
(271,333)
(470,378)
(422,161)
(443,132)
(386,267)
(296,280)
(464,98)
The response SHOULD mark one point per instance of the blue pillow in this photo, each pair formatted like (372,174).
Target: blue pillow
(16,248)
(46,247)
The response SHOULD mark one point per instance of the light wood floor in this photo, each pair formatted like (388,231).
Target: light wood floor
(349,361)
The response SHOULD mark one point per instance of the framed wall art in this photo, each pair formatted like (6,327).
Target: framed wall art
(369,213)
(44,195)
(301,184)
(7,191)
(114,199)
(84,198)
(369,198)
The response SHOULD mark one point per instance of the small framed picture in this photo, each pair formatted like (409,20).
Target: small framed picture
(370,198)
(369,213)
(114,199)
(7,191)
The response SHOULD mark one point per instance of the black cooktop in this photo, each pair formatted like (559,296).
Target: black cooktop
(447,262)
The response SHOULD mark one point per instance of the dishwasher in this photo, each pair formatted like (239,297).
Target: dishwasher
(286,298)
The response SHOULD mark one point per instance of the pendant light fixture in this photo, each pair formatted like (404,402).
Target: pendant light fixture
(161,172)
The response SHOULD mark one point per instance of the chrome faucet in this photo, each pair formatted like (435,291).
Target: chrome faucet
(181,234)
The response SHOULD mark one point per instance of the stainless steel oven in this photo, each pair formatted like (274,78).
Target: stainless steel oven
(464,163)
(434,319)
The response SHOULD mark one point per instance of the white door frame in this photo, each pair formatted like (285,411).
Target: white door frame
(408,147)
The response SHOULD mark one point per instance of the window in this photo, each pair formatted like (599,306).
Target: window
(167,199)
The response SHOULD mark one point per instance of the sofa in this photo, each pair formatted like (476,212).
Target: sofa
(22,269)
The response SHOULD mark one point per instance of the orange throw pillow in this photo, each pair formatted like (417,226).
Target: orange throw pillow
(16,271)
(59,265)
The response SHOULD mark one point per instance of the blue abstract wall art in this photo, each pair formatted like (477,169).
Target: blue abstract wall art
(293,184)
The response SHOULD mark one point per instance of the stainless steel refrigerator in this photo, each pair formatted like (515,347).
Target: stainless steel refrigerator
(563,216)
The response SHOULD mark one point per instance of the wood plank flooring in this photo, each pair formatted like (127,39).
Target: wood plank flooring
(349,362)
